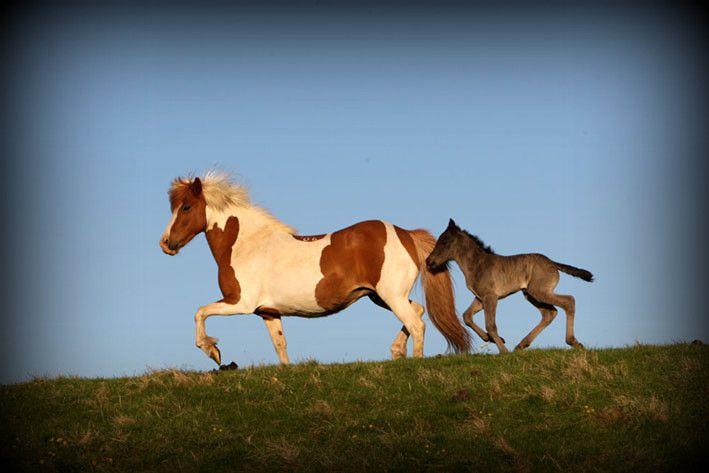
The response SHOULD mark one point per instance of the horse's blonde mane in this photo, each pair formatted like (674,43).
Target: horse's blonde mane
(221,193)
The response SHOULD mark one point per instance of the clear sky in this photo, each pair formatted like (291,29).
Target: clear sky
(569,133)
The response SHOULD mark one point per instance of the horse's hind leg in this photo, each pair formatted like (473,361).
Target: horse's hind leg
(410,314)
(548,313)
(490,307)
(398,347)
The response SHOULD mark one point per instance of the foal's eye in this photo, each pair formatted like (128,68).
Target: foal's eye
(186,207)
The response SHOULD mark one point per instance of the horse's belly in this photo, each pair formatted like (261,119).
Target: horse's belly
(294,294)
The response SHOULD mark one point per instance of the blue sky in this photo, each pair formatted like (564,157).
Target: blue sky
(565,133)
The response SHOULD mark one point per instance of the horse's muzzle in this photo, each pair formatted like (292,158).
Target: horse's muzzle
(168,248)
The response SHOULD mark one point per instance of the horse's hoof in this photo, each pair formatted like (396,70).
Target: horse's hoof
(215,354)
(398,355)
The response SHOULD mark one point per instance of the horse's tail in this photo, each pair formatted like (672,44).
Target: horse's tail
(574,271)
(438,291)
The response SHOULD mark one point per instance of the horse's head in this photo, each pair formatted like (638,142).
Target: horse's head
(189,215)
(443,252)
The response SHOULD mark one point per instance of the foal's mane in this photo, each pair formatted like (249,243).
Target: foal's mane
(221,192)
(478,242)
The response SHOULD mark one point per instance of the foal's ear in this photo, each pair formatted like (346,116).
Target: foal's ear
(451,224)
(196,186)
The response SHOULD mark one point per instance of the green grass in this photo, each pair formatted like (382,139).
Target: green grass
(642,408)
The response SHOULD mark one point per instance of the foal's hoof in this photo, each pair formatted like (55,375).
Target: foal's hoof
(489,339)
(215,354)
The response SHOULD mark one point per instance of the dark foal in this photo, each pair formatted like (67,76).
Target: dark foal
(491,277)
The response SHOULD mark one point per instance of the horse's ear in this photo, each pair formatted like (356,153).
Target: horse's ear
(196,186)
(451,224)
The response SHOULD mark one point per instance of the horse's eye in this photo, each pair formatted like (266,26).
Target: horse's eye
(186,207)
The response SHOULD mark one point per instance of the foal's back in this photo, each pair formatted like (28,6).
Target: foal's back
(500,275)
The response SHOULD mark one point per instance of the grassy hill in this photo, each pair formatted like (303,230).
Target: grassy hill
(642,408)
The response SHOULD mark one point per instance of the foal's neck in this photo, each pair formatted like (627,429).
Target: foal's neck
(468,252)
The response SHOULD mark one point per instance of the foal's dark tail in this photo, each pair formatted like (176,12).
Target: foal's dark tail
(574,271)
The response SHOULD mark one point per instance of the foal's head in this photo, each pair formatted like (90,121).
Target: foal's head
(189,215)
(445,248)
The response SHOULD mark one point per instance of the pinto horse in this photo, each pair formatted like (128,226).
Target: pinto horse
(265,268)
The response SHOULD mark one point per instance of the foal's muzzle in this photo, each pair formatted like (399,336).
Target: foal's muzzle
(431,264)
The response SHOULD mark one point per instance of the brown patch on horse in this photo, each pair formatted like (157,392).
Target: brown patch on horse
(308,237)
(221,243)
(408,242)
(351,264)
(187,199)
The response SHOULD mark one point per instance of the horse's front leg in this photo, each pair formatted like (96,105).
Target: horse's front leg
(209,344)
(275,329)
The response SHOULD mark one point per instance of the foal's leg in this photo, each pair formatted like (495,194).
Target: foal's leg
(490,306)
(568,303)
(204,342)
(548,314)
(475,307)
(275,329)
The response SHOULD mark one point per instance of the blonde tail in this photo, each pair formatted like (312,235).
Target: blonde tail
(438,290)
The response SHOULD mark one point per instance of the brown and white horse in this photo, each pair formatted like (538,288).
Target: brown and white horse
(268,270)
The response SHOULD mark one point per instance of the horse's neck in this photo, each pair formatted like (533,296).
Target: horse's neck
(240,228)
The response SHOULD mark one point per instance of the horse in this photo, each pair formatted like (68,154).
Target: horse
(491,277)
(265,268)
